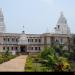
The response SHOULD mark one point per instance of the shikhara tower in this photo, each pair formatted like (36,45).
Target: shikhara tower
(2,25)
(62,26)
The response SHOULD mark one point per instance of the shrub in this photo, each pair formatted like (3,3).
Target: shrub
(62,65)
(1,59)
(49,61)
(28,65)
(6,56)
(47,51)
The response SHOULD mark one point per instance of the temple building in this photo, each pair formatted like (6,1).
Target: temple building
(62,26)
(31,43)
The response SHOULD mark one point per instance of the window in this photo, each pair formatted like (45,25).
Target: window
(13,39)
(35,40)
(39,40)
(8,39)
(11,48)
(4,39)
(35,48)
(31,48)
(7,48)
(16,40)
(32,40)
(3,48)
(16,48)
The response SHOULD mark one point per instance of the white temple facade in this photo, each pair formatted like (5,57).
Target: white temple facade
(32,43)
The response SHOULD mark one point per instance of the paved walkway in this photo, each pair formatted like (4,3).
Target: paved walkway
(17,64)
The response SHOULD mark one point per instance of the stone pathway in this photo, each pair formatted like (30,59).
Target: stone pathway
(14,65)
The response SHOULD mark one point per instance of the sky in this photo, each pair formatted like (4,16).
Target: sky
(37,16)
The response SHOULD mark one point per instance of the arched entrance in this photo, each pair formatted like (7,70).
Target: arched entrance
(23,48)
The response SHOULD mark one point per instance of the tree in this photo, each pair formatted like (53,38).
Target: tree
(47,51)
(54,61)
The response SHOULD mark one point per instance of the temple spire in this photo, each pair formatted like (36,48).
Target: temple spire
(62,19)
(2,24)
(1,13)
(62,26)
